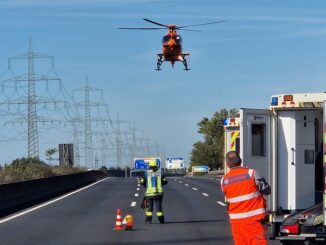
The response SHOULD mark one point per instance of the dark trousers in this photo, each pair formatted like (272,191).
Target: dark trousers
(158,203)
(158,206)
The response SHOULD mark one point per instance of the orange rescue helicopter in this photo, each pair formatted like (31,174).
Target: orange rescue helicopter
(171,42)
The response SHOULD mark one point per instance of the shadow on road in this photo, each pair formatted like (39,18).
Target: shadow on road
(186,241)
(195,221)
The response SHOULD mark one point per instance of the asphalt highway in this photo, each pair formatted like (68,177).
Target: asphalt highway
(194,211)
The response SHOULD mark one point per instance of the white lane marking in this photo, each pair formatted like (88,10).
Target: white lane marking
(136,194)
(48,203)
(186,185)
(138,189)
(195,189)
(211,178)
(138,185)
(221,203)
(175,179)
(180,182)
(133,204)
(205,194)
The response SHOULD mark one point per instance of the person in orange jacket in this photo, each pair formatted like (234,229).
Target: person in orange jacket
(244,190)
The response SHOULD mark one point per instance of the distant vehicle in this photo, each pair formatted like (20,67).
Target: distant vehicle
(231,136)
(171,43)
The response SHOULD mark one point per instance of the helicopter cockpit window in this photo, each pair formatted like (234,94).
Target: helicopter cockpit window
(178,39)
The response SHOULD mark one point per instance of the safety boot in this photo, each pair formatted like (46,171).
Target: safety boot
(148,219)
(161,219)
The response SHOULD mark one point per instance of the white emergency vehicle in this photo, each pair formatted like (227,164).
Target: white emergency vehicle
(287,144)
(231,136)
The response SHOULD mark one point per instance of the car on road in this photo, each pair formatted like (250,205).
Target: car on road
(305,225)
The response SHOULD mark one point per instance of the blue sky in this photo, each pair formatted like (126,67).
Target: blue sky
(263,48)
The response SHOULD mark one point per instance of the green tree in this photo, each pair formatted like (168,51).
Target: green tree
(49,153)
(210,151)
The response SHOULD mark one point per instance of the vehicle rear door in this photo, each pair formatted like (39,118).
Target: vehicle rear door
(256,141)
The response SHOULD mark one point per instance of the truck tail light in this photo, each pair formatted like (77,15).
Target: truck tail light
(290,229)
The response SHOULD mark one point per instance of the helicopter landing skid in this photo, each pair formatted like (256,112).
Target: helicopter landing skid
(184,61)
(160,60)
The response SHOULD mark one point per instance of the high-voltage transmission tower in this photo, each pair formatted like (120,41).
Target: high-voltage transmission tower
(87,104)
(87,123)
(120,143)
(118,138)
(33,150)
(31,99)
(88,127)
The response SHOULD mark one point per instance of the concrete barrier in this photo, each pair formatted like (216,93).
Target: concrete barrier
(20,195)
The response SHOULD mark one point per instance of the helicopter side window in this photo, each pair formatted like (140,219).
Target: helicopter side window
(166,38)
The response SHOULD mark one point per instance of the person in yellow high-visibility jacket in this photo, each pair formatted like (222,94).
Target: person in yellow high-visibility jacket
(153,182)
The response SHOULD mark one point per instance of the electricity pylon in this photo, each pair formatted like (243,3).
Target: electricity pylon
(88,104)
(30,97)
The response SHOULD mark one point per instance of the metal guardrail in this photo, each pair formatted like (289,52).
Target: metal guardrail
(20,195)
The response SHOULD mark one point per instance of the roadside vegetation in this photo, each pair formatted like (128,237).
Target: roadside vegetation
(210,151)
(32,168)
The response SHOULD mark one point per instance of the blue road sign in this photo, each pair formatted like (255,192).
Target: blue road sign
(200,169)
(142,163)
(174,163)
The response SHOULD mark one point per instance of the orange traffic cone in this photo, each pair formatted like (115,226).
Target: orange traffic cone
(118,221)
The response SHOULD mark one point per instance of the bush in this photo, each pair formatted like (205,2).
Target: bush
(200,174)
(62,170)
(31,168)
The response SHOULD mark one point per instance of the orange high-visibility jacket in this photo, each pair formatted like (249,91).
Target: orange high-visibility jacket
(246,203)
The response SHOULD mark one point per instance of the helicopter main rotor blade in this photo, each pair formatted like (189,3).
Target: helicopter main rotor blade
(203,24)
(156,23)
(189,30)
(141,28)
